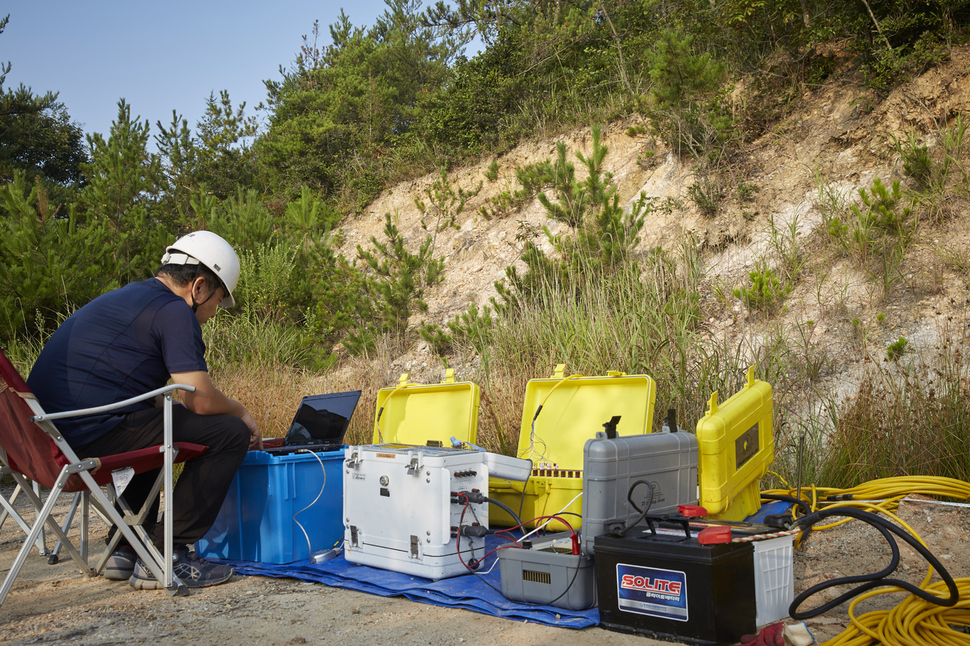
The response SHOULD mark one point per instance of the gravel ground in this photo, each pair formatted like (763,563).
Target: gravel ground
(57,604)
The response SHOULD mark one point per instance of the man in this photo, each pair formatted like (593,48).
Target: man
(133,340)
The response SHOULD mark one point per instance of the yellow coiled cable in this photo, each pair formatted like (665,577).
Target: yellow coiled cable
(913,620)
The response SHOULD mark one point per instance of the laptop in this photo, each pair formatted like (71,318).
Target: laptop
(319,424)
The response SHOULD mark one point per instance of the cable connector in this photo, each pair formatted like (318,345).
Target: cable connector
(326,555)
(473,531)
(470,496)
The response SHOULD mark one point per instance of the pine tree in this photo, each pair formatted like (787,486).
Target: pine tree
(55,262)
(123,183)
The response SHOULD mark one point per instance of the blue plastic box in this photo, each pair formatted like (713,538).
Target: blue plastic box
(256,522)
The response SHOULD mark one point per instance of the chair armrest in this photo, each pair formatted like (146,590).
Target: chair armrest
(108,407)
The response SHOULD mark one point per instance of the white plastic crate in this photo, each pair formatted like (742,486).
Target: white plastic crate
(774,582)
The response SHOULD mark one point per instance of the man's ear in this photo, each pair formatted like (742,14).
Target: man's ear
(200,283)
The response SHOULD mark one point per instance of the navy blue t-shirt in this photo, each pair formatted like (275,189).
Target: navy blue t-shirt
(122,344)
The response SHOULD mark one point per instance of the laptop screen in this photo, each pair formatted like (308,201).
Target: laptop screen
(322,419)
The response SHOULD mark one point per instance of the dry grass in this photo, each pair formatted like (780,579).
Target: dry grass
(907,417)
(500,415)
(271,393)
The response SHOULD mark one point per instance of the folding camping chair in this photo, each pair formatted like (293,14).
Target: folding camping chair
(9,512)
(33,449)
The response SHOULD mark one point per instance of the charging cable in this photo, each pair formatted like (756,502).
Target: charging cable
(869,581)
(320,493)
(532,428)
(553,517)
(643,512)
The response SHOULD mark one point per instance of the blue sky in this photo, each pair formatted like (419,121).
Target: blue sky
(160,56)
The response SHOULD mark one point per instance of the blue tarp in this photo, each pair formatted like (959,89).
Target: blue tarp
(480,593)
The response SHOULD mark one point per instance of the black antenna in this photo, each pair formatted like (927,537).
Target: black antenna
(610,427)
(671,420)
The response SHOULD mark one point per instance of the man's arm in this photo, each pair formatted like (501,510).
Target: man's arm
(209,400)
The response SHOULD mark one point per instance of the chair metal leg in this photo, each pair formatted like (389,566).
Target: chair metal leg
(43,518)
(7,504)
(85,516)
(10,512)
(53,558)
(129,526)
(42,538)
(49,520)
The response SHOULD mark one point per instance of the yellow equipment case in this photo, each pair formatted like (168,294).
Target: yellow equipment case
(427,414)
(559,415)
(736,445)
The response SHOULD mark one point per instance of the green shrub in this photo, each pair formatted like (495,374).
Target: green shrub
(707,194)
(492,173)
(395,282)
(766,291)
(53,262)
(897,349)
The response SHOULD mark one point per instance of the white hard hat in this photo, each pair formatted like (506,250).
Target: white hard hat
(211,251)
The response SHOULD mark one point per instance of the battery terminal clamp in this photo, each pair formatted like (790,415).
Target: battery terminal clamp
(715,535)
(692,511)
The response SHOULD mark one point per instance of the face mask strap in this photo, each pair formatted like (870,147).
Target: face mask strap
(195,304)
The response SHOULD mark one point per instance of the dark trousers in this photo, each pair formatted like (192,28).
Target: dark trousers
(204,481)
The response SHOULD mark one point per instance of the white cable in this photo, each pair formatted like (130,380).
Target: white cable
(549,520)
(933,502)
(324,469)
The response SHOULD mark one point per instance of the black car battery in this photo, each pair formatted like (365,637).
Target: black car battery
(666,582)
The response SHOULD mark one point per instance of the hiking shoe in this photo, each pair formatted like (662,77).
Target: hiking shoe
(120,565)
(191,569)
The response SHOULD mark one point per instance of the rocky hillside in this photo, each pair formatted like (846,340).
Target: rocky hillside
(837,139)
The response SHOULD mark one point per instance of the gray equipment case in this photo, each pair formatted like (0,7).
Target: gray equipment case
(667,461)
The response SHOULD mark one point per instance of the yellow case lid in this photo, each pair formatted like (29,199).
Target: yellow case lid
(574,408)
(736,446)
(416,413)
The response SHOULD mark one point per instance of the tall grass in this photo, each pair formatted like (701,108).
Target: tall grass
(23,353)
(642,318)
(905,418)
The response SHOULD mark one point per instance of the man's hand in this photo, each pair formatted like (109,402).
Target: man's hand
(255,437)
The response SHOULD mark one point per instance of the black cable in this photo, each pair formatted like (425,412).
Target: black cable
(871,581)
(515,517)
(643,512)
(472,563)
